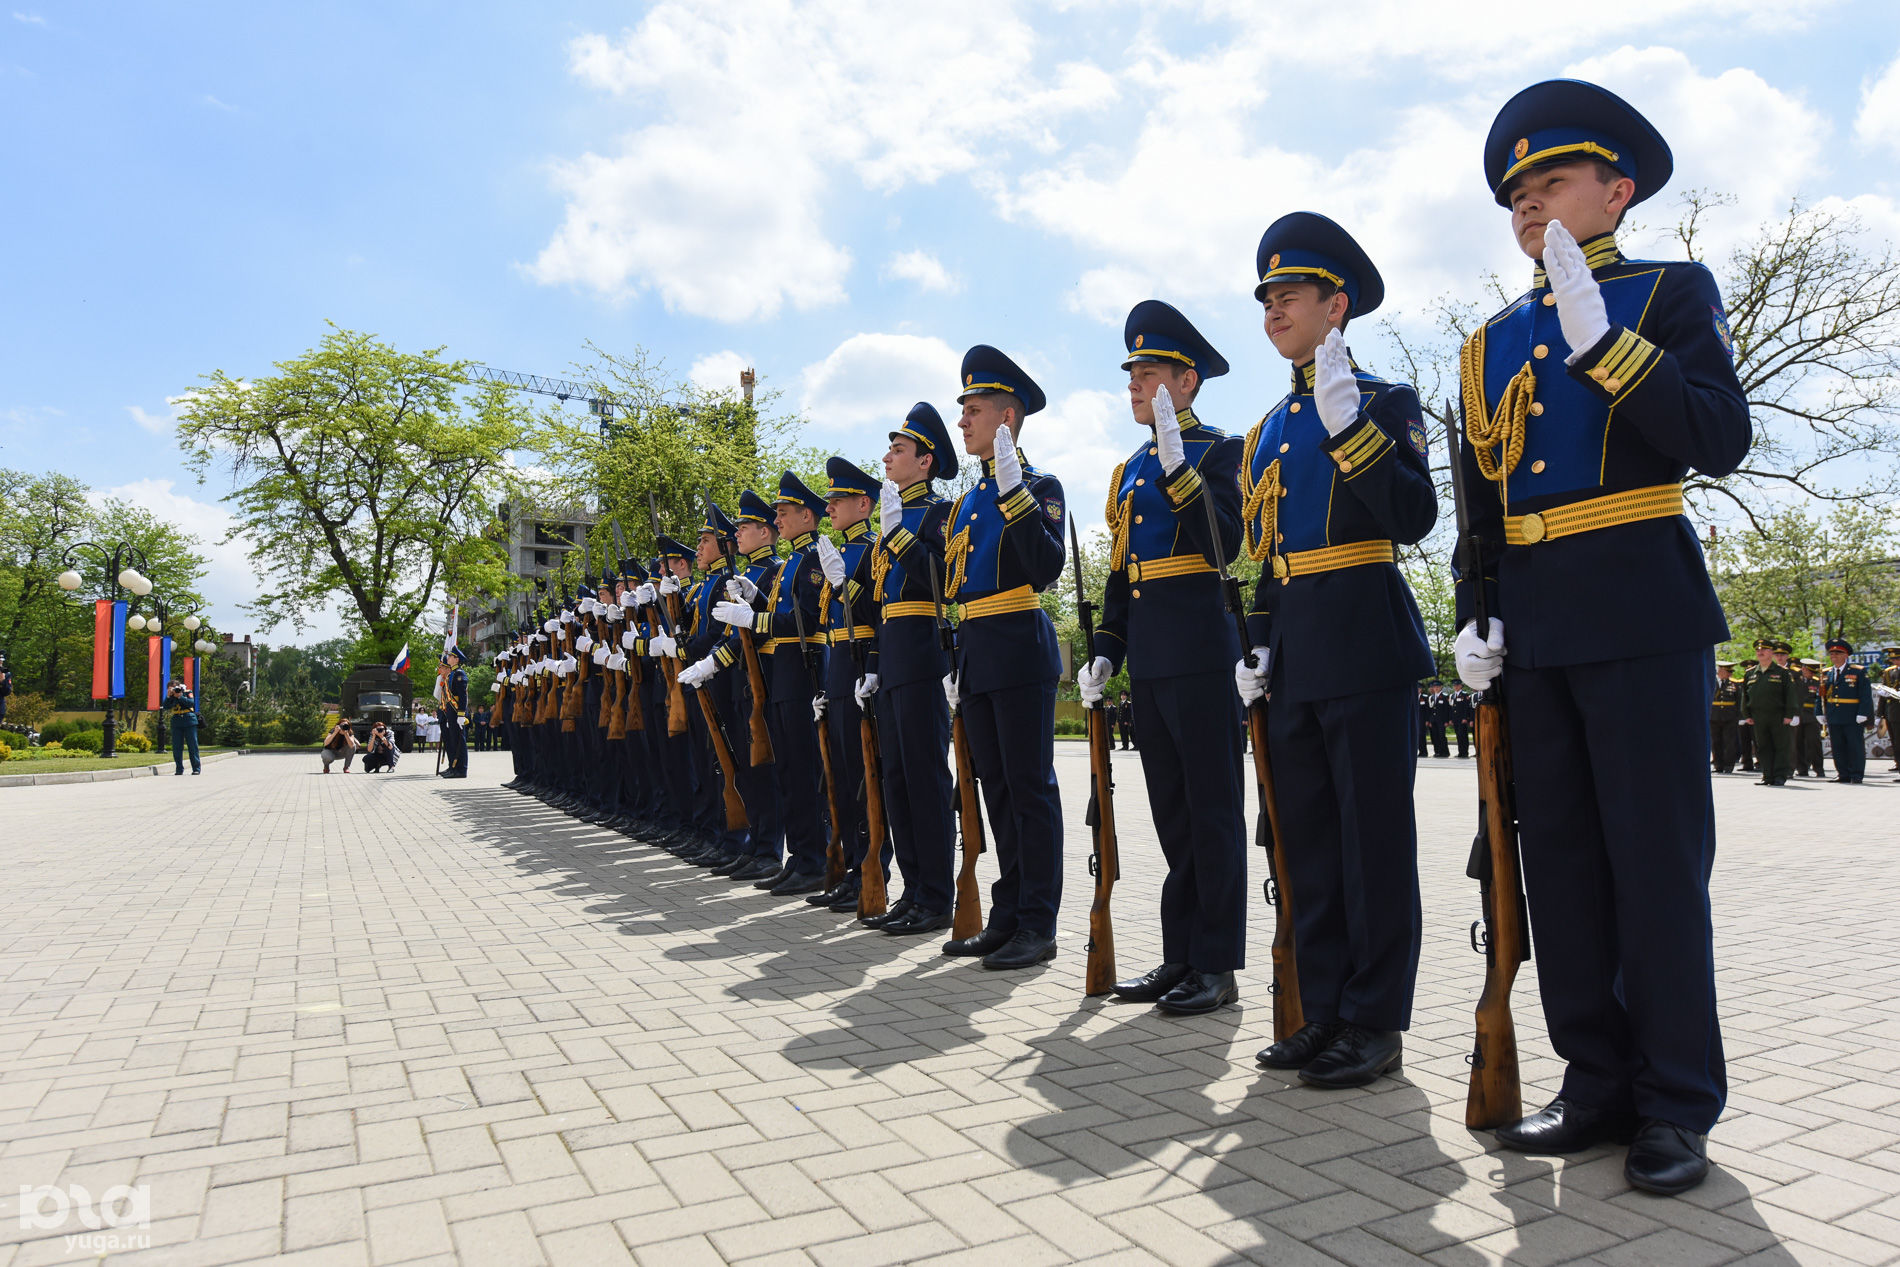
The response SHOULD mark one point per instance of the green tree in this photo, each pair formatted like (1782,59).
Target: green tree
(364,474)
(303,716)
(1808,579)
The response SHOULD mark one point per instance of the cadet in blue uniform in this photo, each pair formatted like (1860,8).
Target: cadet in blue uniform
(1847,696)
(454,706)
(1335,481)
(1005,547)
(730,847)
(794,669)
(850,623)
(906,670)
(1163,611)
(1586,401)
(1437,717)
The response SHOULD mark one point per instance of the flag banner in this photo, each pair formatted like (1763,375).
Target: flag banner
(165,667)
(188,670)
(119,614)
(402,660)
(155,672)
(102,648)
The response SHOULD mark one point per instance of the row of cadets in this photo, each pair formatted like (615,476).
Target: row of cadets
(1005,547)
(1335,479)
(728,848)
(906,671)
(1164,613)
(849,617)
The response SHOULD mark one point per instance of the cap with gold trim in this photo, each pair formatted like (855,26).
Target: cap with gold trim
(986,371)
(1304,246)
(1566,121)
(847,480)
(924,425)
(1156,331)
(794,491)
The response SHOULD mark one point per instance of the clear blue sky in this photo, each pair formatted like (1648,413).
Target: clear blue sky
(845,194)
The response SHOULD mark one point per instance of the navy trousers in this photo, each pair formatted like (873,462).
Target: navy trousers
(1012,741)
(801,783)
(758,785)
(845,736)
(913,732)
(1617,826)
(453,741)
(1343,770)
(1850,744)
(1191,758)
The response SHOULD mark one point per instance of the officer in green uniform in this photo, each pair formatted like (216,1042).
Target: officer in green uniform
(1771,708)
(1890,705)
(1807,739)
(1725,715)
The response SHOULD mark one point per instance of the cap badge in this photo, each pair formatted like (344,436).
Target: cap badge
(1522,147)
(1274,261)
(1138,339)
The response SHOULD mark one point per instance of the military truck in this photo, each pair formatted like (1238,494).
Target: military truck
(374,693)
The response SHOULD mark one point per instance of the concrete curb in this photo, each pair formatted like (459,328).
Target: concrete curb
(102,776)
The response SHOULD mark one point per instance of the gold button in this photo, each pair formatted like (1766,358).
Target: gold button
(983,484)
(1537,406)
(1344,465)
(1285,447)
(1134,593)
(1613,384)
(1283,492)
(1540,351)
(1295,408)
(1134,558)
(1139,483)
(1151,450)
(973,518)
(1599,373)
(1537,467)
(1137,518)
(1550,301)
(1279,536)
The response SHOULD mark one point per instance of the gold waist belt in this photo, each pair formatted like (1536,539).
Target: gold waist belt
(1021,599)
(1661,501)
(769,645)
(853,634)
(1332,558)
(1156,569)
(894,610)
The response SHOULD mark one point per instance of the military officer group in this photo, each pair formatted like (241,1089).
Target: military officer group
(710,700)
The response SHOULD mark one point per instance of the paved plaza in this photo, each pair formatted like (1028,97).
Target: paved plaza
(386,1019)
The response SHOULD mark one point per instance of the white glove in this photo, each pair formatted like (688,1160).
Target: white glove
(694,674)
(890,506)
(669,585)
(644,594)
(600,654)
(567,618)
(1794,721)
(865,689)
(629,639)
(1580,312)
(550,624)
(616,613)
(738,615)
(662,645)
(1335,388)
(1009,467)
(1168,446)
(1251,680)
(1093,677)
(741,589)
(950,690)
(583,643)
(1480,660)
(1860,720)
(830,562)
(818,710)
(618,660)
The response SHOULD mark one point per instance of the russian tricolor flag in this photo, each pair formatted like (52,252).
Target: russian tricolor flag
(402,660)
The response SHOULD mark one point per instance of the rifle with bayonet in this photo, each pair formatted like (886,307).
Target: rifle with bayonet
(761,753)
(834,847)
(873,895)
(1289,1017)
(670,622)
(1502,936)
(736,818)
(1105,860)
(968,921)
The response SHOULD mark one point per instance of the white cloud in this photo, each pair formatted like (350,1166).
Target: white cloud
(1878,123)
(215,104)
(157,424)
(872,380)
(31,19)
(923,268)
(745,116)
(719,371)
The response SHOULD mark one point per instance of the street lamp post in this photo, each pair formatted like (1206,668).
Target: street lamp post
(122,573)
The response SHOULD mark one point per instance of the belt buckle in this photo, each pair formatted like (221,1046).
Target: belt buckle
(1532,528)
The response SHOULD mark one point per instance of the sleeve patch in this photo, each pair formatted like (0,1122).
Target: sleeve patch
(1053,508)
(1722,333)
(1415,432)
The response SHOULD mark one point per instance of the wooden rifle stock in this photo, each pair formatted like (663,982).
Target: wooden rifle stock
(969,916)
(675,697)
(1495,1097)
(834,848)
(613,705)
(736,819)
(755,678)
(1105,862)
(873,897)
(1288,1016)
(636,716)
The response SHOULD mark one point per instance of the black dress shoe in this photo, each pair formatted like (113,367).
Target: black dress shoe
(918,920)
(1200,993)
(1565,1126)
(896,910)
(766,882)
(753,869)
(720,861)
(831,894)
(1024,950)
(846,903)
(1297,1050)
(990,939)
(1356,1058)
(795,882)
(1152,984)
(1666,1159)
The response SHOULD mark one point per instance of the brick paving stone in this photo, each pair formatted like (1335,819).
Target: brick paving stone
(499,1035)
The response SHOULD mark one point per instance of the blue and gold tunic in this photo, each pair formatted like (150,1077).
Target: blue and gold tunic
(909,646)
(1002,552)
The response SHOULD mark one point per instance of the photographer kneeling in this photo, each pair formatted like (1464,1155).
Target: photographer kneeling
(339,745)
(381,754)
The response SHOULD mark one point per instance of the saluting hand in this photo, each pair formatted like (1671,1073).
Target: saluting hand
(1168,446)
(1580,311)
(1009,466)
(1335,386)
(890,506)
(831,562)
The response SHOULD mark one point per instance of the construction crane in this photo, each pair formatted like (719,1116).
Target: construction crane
(602,407)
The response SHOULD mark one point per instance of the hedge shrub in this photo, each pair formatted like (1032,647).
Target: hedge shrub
(84,741)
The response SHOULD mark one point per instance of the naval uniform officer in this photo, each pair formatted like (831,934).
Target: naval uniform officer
(1725,711)
(907,665)
(1335,478)
(454,705)
(1005,548)
(1848,698)
(1586,401)
(1164,614)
